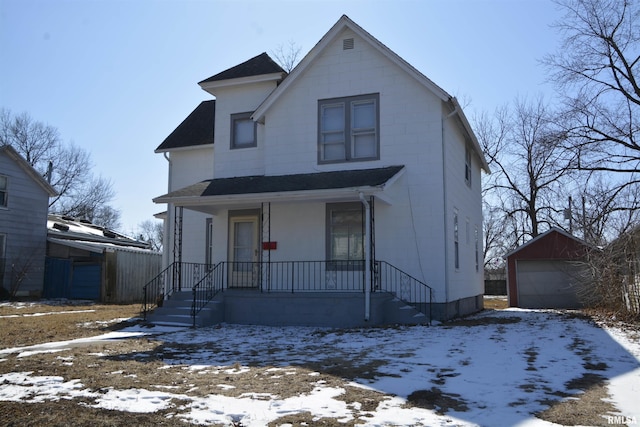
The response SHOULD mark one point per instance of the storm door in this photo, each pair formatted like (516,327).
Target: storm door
(243,251)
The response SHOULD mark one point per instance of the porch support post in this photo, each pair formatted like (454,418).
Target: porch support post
(177,248)
(367,257)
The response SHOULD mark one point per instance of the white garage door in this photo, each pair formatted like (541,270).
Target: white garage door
(548,284)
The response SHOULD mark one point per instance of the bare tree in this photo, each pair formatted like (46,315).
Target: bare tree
(287,56)
(496,236)
(66,166)
(597,71)
(152,232)
(523,146)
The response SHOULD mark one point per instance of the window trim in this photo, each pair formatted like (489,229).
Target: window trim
(242,117)
(456,240)
(339,264)
(467,165)
(209,242)
(348,102)
(4,201)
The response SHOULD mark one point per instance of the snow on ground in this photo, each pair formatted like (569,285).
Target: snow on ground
(497,372)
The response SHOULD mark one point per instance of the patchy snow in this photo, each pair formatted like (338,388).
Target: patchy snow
(499,371)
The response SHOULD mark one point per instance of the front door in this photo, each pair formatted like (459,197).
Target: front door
(243,251)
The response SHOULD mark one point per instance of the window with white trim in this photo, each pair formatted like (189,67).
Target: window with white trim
(348,129)
(209,242)
(3,190)
(456,243)
(243,131)
(467,165)
(345,235)
(477,237)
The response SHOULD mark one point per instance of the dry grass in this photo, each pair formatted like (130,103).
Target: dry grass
(135,363)
(588,407)
(495,303)
(30,324)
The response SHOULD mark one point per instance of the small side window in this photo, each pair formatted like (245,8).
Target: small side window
(3,191)
(243,131)
(456,241)
(467,165)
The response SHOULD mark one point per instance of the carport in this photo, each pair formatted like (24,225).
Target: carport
(546,272)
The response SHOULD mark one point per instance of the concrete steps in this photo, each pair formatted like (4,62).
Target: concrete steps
(299,309)
(176,311)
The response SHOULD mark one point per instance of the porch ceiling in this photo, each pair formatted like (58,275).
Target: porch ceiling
(338,185)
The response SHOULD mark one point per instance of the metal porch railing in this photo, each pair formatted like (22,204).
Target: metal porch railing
(388,278)
(179,276)
(206,289)
(207,281)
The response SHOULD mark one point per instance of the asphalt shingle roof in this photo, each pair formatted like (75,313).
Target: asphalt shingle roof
(196,129)
(284,183)
(261,64)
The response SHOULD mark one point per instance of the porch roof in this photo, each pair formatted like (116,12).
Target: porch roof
(307,185)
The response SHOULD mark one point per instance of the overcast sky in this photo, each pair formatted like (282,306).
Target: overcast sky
(117,76)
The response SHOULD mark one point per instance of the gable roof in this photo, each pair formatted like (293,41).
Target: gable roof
(29,170)
(258,65)
(195,130)
(554,233)
(346,23)
(260,184)
(343,23)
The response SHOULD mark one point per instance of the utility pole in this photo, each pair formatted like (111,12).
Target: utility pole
(568,214)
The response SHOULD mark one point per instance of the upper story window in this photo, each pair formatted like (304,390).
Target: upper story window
(467,165)
(348,129)
(3,191)
(243,131)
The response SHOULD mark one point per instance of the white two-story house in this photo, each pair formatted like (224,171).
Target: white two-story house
(326,195)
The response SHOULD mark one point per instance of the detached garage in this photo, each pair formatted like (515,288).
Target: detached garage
(546,271)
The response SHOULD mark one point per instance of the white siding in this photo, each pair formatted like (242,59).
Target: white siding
(233,100)
(415,231)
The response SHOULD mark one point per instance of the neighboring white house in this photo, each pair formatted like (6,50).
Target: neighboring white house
(352,168)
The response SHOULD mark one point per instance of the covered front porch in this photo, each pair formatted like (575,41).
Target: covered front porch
(309,293)
(284,240)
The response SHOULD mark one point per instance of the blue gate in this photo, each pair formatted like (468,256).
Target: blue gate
(57,278)
(86,281)
(64,278)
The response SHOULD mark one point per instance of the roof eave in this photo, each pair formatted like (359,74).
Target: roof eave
(467,127)
(300,195)
(187,148)
(260,78)
(29,170)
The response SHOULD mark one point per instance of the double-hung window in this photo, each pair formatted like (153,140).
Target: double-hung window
(348,129)
(345,235)
(243,131)
(3,191)
(467,165)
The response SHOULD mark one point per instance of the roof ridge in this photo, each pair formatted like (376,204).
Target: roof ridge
(258,65)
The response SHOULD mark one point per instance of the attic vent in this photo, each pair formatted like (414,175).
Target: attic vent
(347,44)
(61,227)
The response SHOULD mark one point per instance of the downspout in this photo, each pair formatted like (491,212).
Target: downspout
(367,257)
(444,208)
